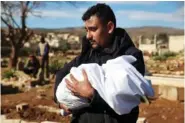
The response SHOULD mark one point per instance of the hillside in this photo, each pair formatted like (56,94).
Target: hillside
(147,31)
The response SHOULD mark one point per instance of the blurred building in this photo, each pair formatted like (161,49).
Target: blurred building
(161,43)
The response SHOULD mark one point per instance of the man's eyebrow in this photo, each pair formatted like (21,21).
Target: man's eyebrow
(91,27)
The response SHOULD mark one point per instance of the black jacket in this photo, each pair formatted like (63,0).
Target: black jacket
(34,64)
(99,111)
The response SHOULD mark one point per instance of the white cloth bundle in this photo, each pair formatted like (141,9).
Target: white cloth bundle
(117,82)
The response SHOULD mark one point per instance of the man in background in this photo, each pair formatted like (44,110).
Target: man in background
(43,54)
(32,66)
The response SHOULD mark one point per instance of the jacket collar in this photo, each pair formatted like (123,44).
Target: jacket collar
(121,41)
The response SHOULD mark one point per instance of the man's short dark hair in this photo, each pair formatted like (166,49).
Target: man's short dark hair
(102,11)
(42,38)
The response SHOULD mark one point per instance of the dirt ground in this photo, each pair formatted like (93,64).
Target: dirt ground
(159,111)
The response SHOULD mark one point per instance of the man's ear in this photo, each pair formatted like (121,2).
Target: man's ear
(110,27)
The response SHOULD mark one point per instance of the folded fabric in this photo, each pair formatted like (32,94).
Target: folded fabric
(117,82)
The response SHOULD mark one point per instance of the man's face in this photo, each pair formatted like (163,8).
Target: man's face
(97,33)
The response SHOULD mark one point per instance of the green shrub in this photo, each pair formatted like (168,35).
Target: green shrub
(65,47)
(26,51)
(161,58)
(164,56)
(155,53)
(6,51)
(8,74)
(55,65)
(4,63)
(170,54)
(181,51)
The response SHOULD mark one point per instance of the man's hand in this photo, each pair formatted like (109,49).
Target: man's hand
(80,88)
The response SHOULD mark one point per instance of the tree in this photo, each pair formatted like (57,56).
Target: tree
(18,33)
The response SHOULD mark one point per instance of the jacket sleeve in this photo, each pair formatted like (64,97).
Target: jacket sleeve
(46,50)
(63,72)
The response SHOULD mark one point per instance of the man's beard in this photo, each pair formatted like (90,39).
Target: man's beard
(93,42)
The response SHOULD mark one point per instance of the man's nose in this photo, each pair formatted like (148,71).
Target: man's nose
(89,35)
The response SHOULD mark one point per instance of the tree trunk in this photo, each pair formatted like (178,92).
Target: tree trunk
(14,57)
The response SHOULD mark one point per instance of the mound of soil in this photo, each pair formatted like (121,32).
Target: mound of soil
(159,111)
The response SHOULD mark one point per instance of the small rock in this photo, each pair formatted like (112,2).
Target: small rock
(14,79)
(22,121)
(37,86)
(6,80)
(22,106)
(12,120)
(25,114)
(141,120)
(144,112)
(163,117)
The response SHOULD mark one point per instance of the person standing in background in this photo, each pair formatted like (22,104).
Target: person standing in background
(43,53)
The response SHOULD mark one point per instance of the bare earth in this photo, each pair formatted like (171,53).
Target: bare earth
(159,111)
